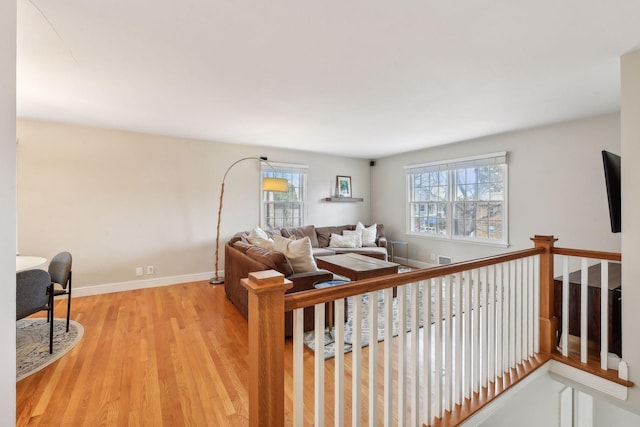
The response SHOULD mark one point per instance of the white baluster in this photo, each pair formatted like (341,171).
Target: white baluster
(584,293)
(525,309)
(427,416)
(532,313)
(491,307)
(506,316)
(468,306)
(437,380)
(356,361)
(415,354)
(458,310)
(402,355)
(338,331)
(484,331)
(373,358)
(475,357)
(448,343)
(536,304)
(512,314)
(298,367)
(565,306)
(499,321)
(319,365)
(388,357)
(604,314)
(518,312)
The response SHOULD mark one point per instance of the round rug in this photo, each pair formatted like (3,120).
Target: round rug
(32,343)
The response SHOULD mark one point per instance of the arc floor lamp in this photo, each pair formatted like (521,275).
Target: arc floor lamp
(268,184)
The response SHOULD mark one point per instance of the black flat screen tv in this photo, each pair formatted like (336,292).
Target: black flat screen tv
(612,179)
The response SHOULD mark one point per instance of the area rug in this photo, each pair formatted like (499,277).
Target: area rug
(329,348)
(32,343)
(329,345)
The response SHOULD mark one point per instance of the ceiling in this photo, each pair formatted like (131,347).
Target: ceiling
(355,78)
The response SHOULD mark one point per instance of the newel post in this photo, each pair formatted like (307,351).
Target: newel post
(548,322)
(266,347)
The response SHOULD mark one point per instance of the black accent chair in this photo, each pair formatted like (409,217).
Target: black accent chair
(33,294)
(60,271)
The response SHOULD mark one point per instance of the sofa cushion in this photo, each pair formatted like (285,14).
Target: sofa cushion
(296,233)
(322,252)
(324,234)
(298,252)
(272,259)
(376,252)
(346,241)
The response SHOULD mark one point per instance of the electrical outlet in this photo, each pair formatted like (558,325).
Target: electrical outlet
(138,271)
(149,269)
(433,257)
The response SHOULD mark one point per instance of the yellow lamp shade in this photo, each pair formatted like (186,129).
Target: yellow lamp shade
(280,185)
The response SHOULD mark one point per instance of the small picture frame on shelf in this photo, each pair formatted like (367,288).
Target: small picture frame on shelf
(343,186)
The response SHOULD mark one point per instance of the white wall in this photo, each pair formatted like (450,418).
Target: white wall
(607,414)
(556,186)
(630,136)
(521,405)
(118,200)
(7,211)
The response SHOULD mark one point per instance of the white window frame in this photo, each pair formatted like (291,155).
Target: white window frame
(281,170)
(450,166)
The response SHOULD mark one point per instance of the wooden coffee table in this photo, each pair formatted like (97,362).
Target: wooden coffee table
(356,266)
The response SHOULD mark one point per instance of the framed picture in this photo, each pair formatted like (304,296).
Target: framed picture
(343,186)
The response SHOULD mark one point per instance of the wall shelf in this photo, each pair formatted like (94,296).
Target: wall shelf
(343,199)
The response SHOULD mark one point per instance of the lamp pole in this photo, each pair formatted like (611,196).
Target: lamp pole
(216,280)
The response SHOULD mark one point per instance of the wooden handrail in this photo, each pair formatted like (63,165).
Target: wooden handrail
(582,253)
(316,296)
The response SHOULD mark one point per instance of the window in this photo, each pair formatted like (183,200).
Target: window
(284,209)
(463,199)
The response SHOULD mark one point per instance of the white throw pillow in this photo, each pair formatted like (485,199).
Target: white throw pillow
(368,234)
(298,252)
(338,241)
(260,238)
(357,234)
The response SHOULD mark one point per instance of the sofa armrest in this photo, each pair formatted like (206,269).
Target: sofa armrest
(305,281)
(382,242)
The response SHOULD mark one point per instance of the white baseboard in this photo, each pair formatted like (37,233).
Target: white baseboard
(140,284)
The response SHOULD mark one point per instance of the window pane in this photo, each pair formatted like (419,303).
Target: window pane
(284,209)
(479,192)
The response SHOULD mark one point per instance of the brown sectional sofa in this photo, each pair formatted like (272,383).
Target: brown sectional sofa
(242,258)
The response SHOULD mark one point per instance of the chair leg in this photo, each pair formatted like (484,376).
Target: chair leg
(69,302)
(68,308)
(50,313)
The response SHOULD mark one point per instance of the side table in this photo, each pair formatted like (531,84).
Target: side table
(392,246)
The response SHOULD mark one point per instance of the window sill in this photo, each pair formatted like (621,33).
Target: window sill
(497,244)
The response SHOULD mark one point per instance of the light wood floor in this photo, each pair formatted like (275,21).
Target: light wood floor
(173,356)
(166,356)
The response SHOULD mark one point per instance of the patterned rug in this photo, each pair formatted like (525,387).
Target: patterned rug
(32,343)
(329,348)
